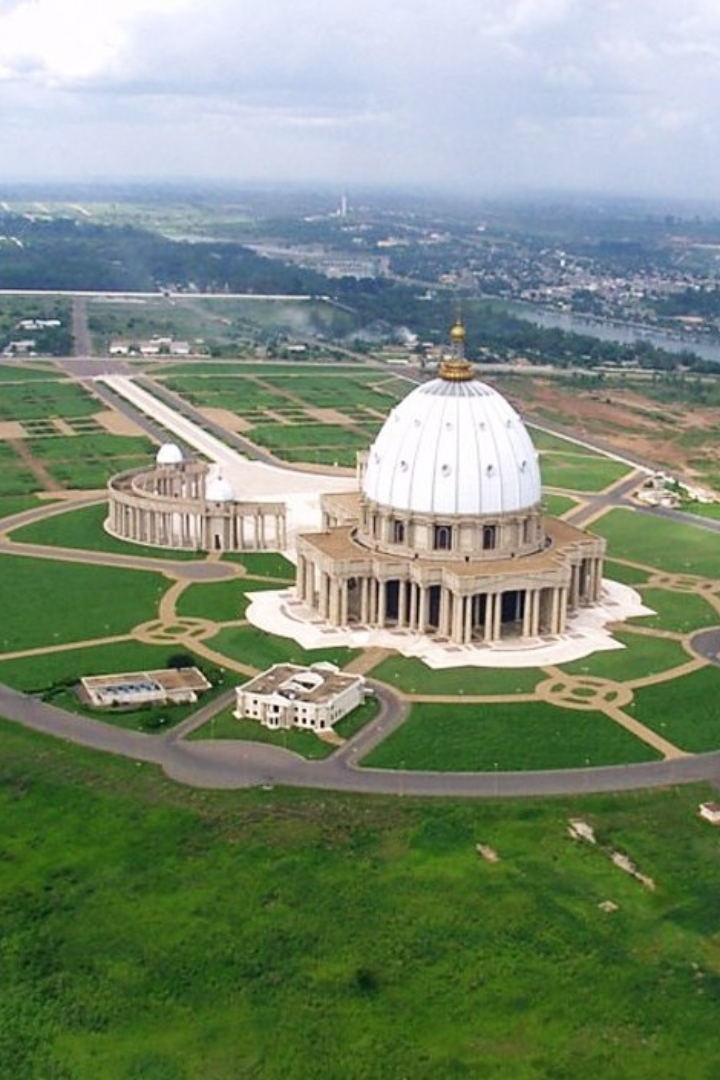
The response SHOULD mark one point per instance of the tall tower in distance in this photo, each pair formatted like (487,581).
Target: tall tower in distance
(343,206)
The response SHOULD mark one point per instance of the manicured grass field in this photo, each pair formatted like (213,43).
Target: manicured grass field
(686,711)
(52,602)
(83,529)
(580,472)
(531,735)
(304,743)
(34,674)
(415,677)
(153,933)
(641,656)
(556,505)
(706,510)
(266,564)
(43,399)
(662,543)
(626,575)
(220,601)
(682,612)
(260,650)
(53,676)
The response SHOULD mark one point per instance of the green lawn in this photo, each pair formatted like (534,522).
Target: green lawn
(656,541)
(556,505)
(415,677)
(305,743)
(686,711)
(83,529)
(706,510)
(266,564)
(531,735)
(250,646)
(627,575)
(153,933)
(225,726)
(36,674)
(45,399)
(681,612)
(641,656)
(48,603)
(580,472)
(54,675)
(220,601)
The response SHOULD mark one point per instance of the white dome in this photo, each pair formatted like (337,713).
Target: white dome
(453,448)
(169,454)
(219,490)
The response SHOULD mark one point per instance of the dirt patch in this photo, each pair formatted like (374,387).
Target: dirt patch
(62,427)
(226,419)
(116,423)
(11,429)
(45,480)
(329,416)
(678,436)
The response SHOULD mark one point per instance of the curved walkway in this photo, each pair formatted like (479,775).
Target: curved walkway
(237,764)
(232,765)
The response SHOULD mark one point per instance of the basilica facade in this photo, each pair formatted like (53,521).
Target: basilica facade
(446,535)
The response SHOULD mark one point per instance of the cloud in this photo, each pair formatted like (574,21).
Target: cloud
(524,92)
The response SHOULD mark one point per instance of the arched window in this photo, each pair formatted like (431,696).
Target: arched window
(442,539)
(489,537)
(398,532)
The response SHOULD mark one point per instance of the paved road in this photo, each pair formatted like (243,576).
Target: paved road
(232,765)
(226,764)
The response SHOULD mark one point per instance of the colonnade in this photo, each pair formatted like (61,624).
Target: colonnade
(140,515)
(459,616)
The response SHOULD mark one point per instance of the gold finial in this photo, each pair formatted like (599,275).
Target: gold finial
(455,368)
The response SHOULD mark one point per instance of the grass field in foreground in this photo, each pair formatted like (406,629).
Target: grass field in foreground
(480,738)
(153,933)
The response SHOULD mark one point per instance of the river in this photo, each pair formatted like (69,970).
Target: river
(623,333)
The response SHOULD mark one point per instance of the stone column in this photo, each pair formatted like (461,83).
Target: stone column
(555,614)
(489,616)
(497,621)
(382,603)
(365,601)
(401,605)
(423,614)
(413,606)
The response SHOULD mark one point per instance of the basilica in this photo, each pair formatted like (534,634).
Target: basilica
(446,535)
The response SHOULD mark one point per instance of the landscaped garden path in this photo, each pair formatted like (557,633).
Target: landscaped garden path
(642,714)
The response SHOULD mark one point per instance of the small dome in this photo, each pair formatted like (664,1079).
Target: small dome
(453,448)
(219,490)
(169,454)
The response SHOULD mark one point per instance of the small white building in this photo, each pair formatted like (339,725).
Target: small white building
(287,695)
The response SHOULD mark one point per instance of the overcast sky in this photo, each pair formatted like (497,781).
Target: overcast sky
(482,95)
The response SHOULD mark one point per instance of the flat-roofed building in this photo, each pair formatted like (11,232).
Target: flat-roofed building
(287,695)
